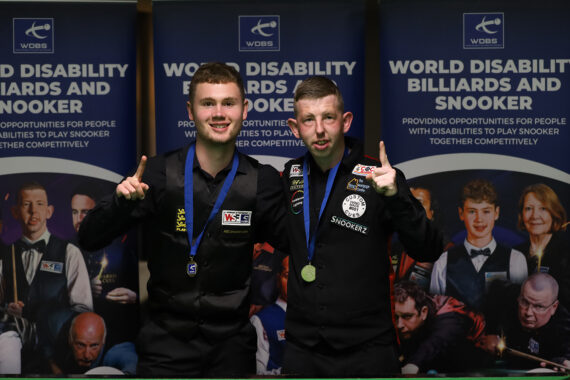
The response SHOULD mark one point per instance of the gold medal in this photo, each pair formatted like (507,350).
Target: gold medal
(192,268)
(309,273)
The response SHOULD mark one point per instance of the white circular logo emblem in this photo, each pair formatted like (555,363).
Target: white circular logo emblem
(354,206)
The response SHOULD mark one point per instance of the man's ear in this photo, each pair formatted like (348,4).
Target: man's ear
(347,121)
(49,211)
(244,113)
(294,127)
(424,313)
(497,210)
(189,108)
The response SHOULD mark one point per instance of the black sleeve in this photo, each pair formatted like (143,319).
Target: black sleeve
(270,209)
(423,240)
(114,216)
(445,331)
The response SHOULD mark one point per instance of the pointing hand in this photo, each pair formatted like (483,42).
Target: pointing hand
(132,188)
(383,179)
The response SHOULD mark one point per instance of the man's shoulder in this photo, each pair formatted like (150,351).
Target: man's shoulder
(294,168)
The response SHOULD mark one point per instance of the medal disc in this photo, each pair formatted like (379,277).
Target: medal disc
(309,273)
(192,268)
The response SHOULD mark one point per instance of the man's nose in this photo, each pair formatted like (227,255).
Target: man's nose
(218,110)
(320,127)
(90,354)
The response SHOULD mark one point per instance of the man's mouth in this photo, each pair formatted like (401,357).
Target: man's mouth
(321,144)
(219,126)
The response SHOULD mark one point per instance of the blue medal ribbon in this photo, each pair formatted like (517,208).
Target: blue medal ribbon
(189,197)
(306,213)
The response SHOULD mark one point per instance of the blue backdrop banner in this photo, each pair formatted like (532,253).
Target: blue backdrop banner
(67,126)
(274,45)
(474,96)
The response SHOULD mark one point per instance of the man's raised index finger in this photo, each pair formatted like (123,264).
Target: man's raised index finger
(383,155)
(141,168)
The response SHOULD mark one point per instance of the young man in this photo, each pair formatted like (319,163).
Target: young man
(52,284)
(436,333)
(466,271)
(339,321)
(208,205)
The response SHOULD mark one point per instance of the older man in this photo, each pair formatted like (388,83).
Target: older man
(533,322)
(86,350)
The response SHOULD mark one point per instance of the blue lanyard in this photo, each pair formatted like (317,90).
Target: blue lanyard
(306,213)
(189,196)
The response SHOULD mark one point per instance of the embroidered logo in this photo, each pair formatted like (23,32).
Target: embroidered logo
(236,218)
(357,184)
(296,171)
(181,220)
(363,170)
(341,222)
(354,206)
(51,266)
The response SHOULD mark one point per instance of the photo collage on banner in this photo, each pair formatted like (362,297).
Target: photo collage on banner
(67,136)
(474,108)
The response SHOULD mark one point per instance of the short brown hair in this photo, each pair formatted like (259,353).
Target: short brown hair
(317,87)
(479,190)
(33,185)
(215,72)
(549,200)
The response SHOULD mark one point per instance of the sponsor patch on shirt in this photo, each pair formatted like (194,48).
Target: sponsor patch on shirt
(236,218)
(296,171)
(363,170)
(51,266)
(490,277)
(180,220)
(296,184)
(297,202)
(354,206)
(280,335)
(341,222)
(358,185)
(533,346)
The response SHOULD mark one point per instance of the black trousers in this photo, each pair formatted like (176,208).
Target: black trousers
(370,359)
(162,354)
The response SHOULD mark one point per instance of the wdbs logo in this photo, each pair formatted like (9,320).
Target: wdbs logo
(259,33)
(33,35)
(483,30)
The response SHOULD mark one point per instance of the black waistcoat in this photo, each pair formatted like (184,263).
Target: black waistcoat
(48,290)
(215,301)
(467,285)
